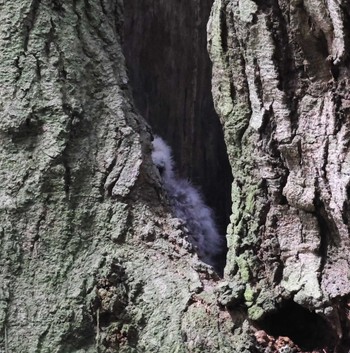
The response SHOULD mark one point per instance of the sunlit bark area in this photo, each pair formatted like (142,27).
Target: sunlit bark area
(280,85)
(92,256)
(92,259)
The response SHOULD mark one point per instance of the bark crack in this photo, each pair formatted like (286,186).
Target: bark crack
(29,21)
(223,30)
(50,38)
(67,174)
(329,235)
(325,161)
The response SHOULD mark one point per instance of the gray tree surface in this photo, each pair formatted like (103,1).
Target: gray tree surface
(280,85)
(92,258)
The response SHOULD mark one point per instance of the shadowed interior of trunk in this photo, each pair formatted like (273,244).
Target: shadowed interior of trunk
(305,328)
(170,72)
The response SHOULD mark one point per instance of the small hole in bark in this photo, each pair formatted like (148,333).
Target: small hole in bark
(305,328)
(335,71)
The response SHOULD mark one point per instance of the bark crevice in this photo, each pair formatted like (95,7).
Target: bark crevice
(170,75)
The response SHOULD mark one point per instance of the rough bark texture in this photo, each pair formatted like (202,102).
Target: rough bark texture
(91,260)
(280,85)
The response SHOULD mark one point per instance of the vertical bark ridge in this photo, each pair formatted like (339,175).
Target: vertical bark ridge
(290,170)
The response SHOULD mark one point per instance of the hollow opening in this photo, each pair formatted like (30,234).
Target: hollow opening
(164,44)
(305,328)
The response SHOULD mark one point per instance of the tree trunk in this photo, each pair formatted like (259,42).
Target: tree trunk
(92,257)
(92,260)
(280,85)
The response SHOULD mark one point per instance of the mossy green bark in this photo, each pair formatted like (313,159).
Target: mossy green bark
(276,99)
(232,103)
(91,258)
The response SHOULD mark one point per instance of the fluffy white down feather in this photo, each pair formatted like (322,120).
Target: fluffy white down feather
(188,205)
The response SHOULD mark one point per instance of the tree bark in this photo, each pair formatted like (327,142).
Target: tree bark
(92,260)
(280,85)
